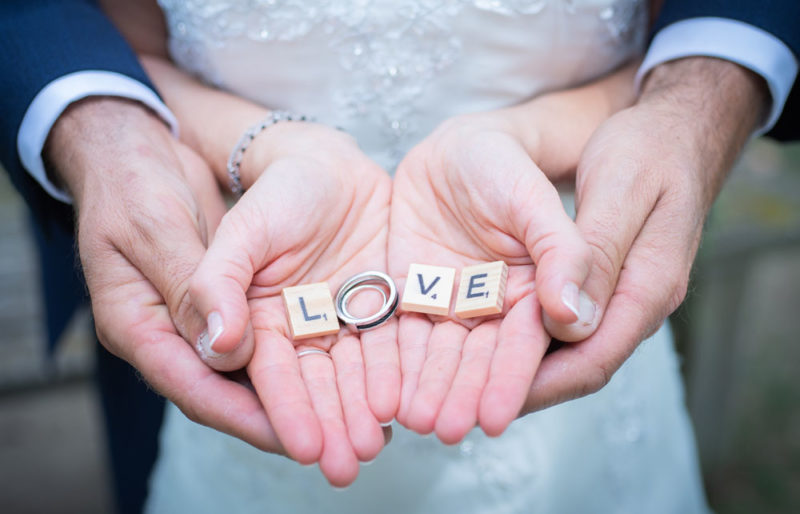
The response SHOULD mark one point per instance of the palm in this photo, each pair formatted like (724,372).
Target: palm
(134,323)
(138,269)
(457,209)
(318,227)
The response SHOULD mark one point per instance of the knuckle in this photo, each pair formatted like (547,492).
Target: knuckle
(190,411)
(606,259)
(176,287)
(598,377)
(677,289)
(181,311)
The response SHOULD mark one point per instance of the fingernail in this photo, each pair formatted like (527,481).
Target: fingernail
(203,347)
(587,309)
(215,327)
(387,424)
(569,297)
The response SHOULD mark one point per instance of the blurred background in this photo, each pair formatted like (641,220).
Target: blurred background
(738,333)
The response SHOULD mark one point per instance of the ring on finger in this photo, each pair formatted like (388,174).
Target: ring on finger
(313,351)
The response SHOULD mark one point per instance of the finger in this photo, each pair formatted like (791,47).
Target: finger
(580,369)
(277,213)
(380,356)
(206,190)
(277,378)
(613,208)
(651,285)
(362,427)
(562,257)
(166,238)
(521,343)
(413,333)
(338,461)
(382,360)
(161,238)
(219,286)
(205,396)
(459,413)
(441,363)
(211,210)
(132,325)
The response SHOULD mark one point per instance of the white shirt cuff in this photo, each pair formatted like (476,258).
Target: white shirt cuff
(53,100)
(735,41)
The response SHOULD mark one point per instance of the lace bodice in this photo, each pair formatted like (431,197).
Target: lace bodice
(388,71)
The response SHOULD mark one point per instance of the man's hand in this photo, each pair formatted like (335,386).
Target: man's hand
(146,206)
(644,186)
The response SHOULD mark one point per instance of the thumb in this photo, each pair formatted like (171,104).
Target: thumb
(562,257)
(211,210)
(219,287)
(614,206)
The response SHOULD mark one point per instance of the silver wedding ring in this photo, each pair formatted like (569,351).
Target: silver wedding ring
(313,351)
(368,280)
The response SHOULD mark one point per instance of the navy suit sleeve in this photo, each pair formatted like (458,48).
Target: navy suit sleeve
(40,41)
(780,18)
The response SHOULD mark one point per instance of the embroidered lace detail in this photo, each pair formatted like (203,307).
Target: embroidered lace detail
(512,7)
(623,18)
(391,50)
(622,427)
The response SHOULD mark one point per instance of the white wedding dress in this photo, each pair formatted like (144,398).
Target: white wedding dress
(388,71)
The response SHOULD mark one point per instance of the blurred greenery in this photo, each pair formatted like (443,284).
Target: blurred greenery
(738,331)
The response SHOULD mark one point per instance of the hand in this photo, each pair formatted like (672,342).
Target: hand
(468,194)
(491,203)
(645,183)
(317,211)
(146,205)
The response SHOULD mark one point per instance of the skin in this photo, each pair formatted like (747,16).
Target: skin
(316,227)
(146,206)
(645,183)
(472,192)
(316,210)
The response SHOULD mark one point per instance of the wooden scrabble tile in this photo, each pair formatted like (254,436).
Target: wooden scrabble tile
(481,290)
(311,311)
(428,289)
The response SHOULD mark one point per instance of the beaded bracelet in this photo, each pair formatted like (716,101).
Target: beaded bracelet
(237,155)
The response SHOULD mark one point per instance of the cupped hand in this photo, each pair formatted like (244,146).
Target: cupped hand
(645,182)
(318,213)
(468,194)
(146,205)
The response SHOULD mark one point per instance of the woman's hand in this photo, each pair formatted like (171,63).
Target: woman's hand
(318,212)
(473,192)
(468,194)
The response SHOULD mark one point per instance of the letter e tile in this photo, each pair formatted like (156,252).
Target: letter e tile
(428,289)
(311,311)
(482,290)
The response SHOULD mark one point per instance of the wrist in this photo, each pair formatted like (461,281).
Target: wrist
(556,126)
(95,134)
(332,148)
(718,94)
(715,104)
